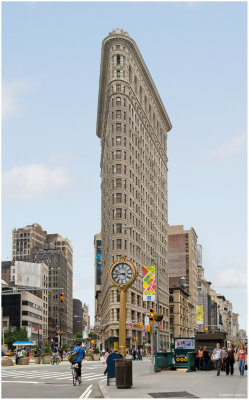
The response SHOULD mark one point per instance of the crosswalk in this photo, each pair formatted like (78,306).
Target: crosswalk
(39,375)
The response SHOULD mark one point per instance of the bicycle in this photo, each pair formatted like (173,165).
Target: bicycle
(75,375)
(55,359)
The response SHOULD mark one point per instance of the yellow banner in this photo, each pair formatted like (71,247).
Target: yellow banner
(199,314)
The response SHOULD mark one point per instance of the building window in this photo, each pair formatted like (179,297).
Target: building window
(118,183)
(118,154)
(118,101)
(118,127)
(119,243)
(119,212)
(118,168)
(118,59)
(118,114)
(118,140)
(118,73)
(171,299)
(119,228)
(118,197)
(171,310)
(118,88)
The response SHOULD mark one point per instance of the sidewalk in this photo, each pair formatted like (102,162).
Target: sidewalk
(199,384)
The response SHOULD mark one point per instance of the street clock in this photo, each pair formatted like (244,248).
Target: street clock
(123,273)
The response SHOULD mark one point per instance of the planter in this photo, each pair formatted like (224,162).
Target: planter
(46,359)
(96,357)
(37,360)
(7,362)
(158,318)
(88,358)
(23,361)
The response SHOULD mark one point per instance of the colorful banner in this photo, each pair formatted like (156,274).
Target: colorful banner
(199,314)
(149,283)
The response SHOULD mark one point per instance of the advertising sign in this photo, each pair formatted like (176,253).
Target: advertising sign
(98,263)
(199,314)
(147,320)
(28,274)
(184,343)
(115,345)
(149,283)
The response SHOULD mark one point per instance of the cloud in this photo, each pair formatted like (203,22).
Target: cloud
(12,103)
(232,276)
(33,181)
(228,149)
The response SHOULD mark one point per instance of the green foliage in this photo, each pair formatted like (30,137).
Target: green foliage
(96,351)
(78,335)
(14,335)
(65,347)
(92,335)
(46,349)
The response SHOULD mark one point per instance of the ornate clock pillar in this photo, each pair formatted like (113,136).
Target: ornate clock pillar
(122,273)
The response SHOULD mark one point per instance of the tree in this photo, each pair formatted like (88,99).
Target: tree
(14,335)
(78,335)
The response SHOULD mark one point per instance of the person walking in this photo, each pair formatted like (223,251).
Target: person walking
(206,358)
(230,359)
(200,358)
(217,357)
(224,357)
(134,353)
(242,359)
(107,353)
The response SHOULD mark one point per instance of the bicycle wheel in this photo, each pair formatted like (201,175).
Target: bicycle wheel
(52,360)
(74,380)
(57,361)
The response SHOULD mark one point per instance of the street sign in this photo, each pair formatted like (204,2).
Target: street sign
(147,320)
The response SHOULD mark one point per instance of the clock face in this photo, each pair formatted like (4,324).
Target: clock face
(122,273)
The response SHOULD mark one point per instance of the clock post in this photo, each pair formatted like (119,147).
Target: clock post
(122,274)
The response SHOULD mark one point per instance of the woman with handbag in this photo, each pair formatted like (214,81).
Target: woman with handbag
(217,357)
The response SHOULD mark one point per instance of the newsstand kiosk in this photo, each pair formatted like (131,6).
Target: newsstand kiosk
(185,353)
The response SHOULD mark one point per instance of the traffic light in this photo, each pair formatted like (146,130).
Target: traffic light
(149,328)
(139,324)
(62,297)
(152,316)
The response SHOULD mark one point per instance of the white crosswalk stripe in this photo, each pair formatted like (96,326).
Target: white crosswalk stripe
(42,376)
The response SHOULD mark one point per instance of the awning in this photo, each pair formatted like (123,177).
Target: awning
(24,343)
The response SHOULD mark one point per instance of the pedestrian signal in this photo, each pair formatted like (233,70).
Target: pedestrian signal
(152,316)
(62,297)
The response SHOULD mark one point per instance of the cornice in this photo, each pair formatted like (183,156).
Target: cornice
(107,42)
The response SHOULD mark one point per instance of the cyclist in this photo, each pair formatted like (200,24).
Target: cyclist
(81,354)
(54,353)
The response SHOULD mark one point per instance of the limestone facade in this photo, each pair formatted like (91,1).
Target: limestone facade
(132,124)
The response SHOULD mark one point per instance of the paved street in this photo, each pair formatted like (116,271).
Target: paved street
(47,381)
(51,381)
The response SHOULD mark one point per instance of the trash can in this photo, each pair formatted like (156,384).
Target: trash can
(123,369)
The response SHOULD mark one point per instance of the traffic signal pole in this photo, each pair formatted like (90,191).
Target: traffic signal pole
(157,299)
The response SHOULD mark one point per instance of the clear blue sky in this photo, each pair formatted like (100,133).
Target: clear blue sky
(196,53)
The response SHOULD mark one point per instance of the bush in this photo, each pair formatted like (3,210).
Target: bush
(46,350)
(96,351)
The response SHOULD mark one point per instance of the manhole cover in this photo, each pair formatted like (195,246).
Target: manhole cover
(176,395)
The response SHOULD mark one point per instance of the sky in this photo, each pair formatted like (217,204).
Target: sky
(197,56)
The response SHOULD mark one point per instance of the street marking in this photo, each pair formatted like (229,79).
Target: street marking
(85,392)
(19,382)
(91,379)
(88,394)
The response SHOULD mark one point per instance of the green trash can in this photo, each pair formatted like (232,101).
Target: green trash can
(123,370)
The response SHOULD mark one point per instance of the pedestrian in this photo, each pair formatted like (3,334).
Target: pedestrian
(134,354)
(61,352)
(217,358)
(107,353)
(206,358)
(242,359)
(224,357)
(200,357)
(140,357)
(230,359)
(16,355)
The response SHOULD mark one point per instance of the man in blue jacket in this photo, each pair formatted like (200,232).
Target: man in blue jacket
(81,355)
